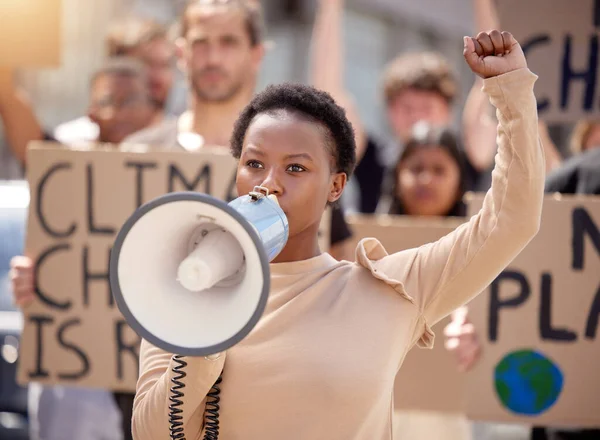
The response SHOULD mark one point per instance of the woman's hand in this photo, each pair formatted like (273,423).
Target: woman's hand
(462,340)
(493,53)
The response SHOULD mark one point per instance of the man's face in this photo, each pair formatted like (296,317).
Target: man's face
(158,56)
(120,105)
(217,52)
(411,106)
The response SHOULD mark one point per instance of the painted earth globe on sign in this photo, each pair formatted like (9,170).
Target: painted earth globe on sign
(527,382)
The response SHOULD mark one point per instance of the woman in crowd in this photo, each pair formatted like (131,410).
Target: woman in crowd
(430,175)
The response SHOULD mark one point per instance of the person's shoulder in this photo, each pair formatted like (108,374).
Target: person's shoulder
(162,133)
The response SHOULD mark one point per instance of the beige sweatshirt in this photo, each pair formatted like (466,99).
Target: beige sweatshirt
(322,360)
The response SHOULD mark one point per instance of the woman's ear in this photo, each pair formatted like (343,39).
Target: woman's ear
(338,183)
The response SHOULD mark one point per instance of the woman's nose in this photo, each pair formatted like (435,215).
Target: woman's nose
(273,184)
(425,178)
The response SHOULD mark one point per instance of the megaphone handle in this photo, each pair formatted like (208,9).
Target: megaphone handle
(211,415)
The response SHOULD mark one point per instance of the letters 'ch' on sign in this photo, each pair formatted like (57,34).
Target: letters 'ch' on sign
(560,41)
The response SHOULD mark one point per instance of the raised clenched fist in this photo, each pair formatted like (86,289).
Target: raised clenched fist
(493,53)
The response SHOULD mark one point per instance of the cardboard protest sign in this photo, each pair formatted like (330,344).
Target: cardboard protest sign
(74,334)
(30,33)
(560,41)
(429,379)
(538,325)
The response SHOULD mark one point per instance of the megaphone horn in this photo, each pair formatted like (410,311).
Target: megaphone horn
(190,273)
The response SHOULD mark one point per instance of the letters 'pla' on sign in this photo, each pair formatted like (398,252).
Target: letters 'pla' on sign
(538,323)
(74,333)
(30,33)
(561,44)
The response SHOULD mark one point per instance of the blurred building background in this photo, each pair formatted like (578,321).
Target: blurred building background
(375,32)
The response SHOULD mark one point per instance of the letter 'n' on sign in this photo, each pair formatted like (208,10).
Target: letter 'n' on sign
(583,226)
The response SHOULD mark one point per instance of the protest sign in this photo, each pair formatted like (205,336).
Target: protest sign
(560,41)
(74,334)
(538,325)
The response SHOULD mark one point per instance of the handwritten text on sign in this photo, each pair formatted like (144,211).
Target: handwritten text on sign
(538,324)
(75,334)
(560,42)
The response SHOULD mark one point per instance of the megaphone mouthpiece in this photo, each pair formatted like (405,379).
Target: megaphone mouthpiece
(216,257)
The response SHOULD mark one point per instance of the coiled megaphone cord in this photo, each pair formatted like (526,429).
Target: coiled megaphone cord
(175,412)
(175,417)
(211,419)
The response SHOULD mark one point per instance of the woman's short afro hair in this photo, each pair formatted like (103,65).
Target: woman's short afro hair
(310,103)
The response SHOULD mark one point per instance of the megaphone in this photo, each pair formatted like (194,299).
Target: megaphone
(190,273)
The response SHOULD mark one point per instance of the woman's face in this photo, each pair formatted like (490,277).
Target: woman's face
(291,157)
(428,182)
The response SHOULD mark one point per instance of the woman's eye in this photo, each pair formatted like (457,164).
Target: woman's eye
(254,164)
(439,171)
(296,168)
(417,169)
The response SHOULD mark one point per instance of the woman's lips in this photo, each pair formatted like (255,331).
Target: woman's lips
(425,194)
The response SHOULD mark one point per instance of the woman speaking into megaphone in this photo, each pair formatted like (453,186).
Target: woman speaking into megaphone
(321,362)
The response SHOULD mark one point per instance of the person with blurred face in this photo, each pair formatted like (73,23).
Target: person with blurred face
(149,42)
(429,176)
(418,86)
(146,41)
(120,102)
